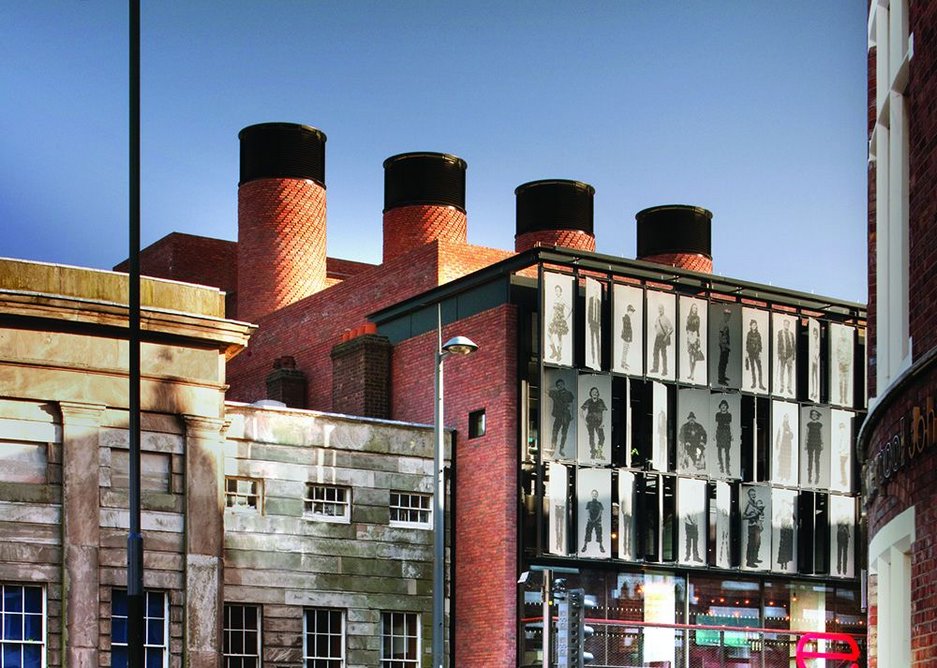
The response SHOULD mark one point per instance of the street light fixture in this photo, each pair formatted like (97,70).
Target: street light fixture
(458,345)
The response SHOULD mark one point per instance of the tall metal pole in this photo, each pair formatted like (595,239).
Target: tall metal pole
(547,622)
(135,596)
(439,520)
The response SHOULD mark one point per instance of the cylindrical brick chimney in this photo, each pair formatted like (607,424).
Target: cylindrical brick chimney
(281,217)
(554,212)
(424,200)
(676,235)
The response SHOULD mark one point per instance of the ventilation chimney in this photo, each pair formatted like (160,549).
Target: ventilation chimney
(424,200)
(554,212)
(281,217)
(676,235)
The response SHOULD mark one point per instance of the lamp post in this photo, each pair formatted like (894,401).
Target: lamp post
(458,345)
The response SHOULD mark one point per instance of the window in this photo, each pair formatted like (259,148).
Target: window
(328,502)
(155,629)
(400,639)
(476,423)
(241,636)
(411,509)
(22,632)
(324,638)
(243,493)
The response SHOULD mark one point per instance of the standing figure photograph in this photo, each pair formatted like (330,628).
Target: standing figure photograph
(660,434)
(756,547)
(813,353)
(693,433)
(756,350)
(815,439)
(841,459)
(691,510)
(842,535)
(782,526)
(626,514)
(628,337)
(660,335)
(725,343)
(693,314)
(558,485)
(594,491)
(784,452)
(841,357)
(724,461)
(593,324)
(594,418)
(785,355)
(559,292)
(558,418)
(723,524)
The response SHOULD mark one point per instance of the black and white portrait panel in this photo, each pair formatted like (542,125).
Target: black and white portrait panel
(558,414)
(692,528)
(783,536)
(723,524)
(815,446)
(842,352)
(626,535)
(593,327)
(557,326)
(660,434)
(784,376)
(595,419)
(661,335)
(755,507)
(755,351)
(628,334)
(725,344)
(785,432)
(841,457)
(693,340)
(694,430)
(558,487)
(813,360)
(594,519)
(724,453)
(842,535)
(630,456)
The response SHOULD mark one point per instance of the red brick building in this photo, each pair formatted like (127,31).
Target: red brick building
(744,518)
(898,436)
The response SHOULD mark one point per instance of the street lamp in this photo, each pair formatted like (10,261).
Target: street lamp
(458,345)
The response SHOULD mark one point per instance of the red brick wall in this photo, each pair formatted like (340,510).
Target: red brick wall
(915,484)
(409,227)
(281,244)
(922,130)
(576,239)
(310,328)
(486,474)
(191,259)
(691,261)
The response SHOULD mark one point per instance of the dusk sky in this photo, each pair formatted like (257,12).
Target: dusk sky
(755,110)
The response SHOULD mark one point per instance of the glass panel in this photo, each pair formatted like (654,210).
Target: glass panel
(119,602)
(33,627)
(34,599)
(12,627)
(154,605)
(32,656)
(154,632)
(118,657)
(119,629)
(154,658)
(11,656)
(12,599)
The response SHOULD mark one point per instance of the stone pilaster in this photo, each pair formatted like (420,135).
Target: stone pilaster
(80,533)
(204,523)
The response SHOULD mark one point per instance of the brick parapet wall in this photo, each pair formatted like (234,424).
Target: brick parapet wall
(922,184)
(415,225)
(361,376)
(281,244)
(575,239)
(691,261)
(309,329)
(486,474)
(914,484)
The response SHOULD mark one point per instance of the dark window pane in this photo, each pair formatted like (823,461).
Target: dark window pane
(154,605)
(119,629)
(119,602)
(118,657)
(12,627)
(34,599)
(250,642)
(154,658)
(11,656)
(154,632)
(250,616)
(32,656)
(33,630)
(12,599)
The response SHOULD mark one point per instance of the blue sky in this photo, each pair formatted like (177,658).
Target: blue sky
(754,110)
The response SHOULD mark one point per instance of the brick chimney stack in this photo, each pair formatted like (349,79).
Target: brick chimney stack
(424,200)
(281,217)
(554,212)
(676,235)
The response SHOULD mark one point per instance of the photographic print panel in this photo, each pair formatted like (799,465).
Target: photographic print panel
(784,355)
(725,344)
(557,326)
(693,430)
(661,335)
(785,451)
(783,534)
(815,447)
(814,368)
(594,518)
(628,330)
(660,434)
(594,431)
(593,324)
(691,521)
(842,342)
(558,424)
(755,506)
(723,524)
(841,455)
(558,494)
(842,536)
(755,351)
(693,338)
(626,533)
(724,454)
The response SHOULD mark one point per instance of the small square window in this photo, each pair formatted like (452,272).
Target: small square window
(330,503)
(411,509)
(476,423)
(243,494)
(241,636)
(400,640)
